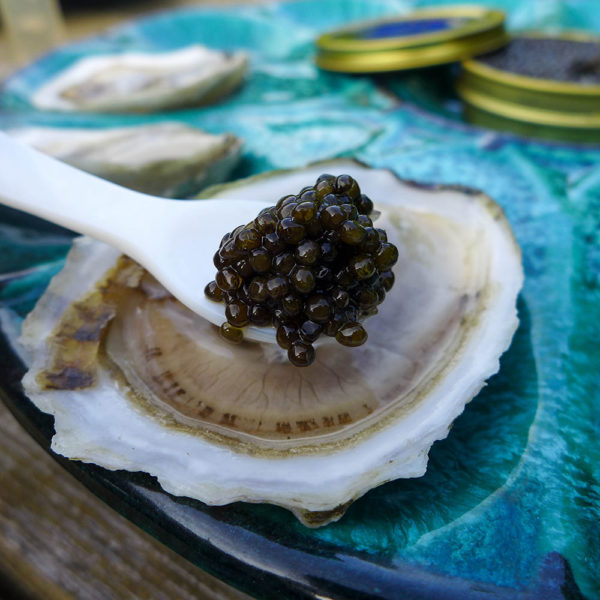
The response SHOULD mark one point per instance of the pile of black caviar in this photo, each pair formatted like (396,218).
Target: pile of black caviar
(312,264)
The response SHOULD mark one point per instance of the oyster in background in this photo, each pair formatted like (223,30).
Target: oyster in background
(136,381)
(137,82)
(166,159)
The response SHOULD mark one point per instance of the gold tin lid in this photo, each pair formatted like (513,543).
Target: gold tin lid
(533,106)
(420,39)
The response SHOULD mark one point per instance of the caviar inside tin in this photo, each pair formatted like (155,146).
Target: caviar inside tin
(541,85)
(549,58)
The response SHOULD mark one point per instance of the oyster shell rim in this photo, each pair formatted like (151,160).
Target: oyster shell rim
(137,174)
(204,91)
(389,460)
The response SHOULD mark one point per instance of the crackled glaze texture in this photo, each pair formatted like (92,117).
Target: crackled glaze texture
(509,505)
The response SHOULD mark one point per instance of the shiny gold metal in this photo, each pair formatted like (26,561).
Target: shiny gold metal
(481,30)
(529,105)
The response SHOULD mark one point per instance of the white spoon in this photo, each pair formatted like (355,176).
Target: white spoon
(175,240)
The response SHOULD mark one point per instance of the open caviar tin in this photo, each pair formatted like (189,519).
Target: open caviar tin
(539,85)
(419,39)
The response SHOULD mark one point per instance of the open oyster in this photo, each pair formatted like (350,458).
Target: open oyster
(136,381)
(164,159)
(138,82)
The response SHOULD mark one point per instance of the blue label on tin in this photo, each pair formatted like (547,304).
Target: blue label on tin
(408,28)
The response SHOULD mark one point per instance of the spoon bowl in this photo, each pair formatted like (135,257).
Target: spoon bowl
(175,240)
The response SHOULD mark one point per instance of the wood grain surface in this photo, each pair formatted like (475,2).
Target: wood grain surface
(58,541)
(92,18)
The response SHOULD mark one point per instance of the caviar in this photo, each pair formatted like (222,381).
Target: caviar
(311,265)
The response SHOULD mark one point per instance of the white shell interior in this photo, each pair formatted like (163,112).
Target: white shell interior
(142,81)
(437,338)
(156,159)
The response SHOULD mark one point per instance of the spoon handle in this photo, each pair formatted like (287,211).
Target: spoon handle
(174,240)
(45,187)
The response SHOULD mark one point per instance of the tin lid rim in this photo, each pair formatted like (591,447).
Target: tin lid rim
(483,19)
(478,68)
(526,114)
(412,58)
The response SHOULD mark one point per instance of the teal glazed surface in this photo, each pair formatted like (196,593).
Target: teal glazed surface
(510,504)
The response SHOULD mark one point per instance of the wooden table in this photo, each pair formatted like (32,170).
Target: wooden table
(57,540)
(82,23)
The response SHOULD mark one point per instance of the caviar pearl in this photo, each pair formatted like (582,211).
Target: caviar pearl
(231,333)
(311,265)
(214,292)
(351,334)
(301,354)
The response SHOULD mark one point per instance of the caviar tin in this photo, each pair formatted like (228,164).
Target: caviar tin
(420,39)
(541,85)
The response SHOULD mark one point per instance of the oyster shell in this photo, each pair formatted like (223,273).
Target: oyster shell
(136,381)
(138,82)
(164,159)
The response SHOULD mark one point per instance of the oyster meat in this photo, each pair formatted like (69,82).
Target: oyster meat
(143,82)
(136,381)
(164,159)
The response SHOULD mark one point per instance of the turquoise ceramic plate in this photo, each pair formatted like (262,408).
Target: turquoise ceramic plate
(509,507)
